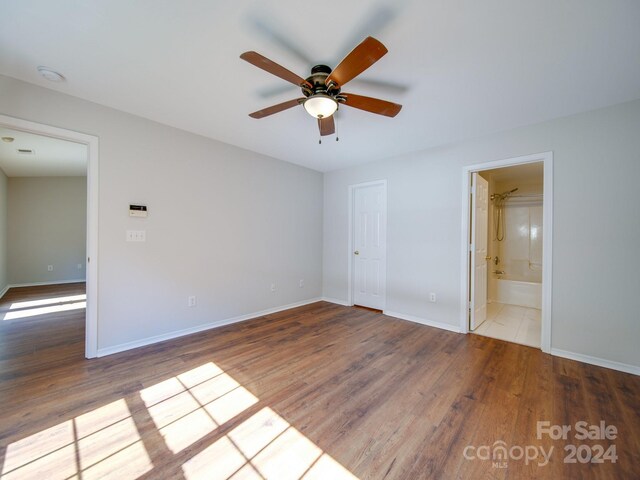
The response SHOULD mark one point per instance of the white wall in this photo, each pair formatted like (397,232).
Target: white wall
(596,227)
(3,233)
(47,225)
(224,223)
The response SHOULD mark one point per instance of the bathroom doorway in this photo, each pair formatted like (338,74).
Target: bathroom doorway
(506,257)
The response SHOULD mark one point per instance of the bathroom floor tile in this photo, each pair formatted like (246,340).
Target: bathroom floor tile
(529,333)
(483,327)
(534,314)
(503,331)
(512,323)
(493,309)
(514,311)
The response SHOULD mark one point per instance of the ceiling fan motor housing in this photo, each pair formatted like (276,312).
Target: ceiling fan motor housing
(319,74)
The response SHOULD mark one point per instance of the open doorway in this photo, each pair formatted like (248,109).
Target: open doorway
(508,250)
(49,230)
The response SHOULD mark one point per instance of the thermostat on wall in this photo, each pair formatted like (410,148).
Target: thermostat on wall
(137,210)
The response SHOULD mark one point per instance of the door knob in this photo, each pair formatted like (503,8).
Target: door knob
(356,252)
(487,258)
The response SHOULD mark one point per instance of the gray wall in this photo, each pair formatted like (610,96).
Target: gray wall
(3,232)
(224,223)
(47,225)
(596,227)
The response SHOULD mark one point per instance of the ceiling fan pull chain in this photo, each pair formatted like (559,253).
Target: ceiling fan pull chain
(335,120)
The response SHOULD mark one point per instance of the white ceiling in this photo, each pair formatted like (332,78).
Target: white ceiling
(51,157)
(471,67)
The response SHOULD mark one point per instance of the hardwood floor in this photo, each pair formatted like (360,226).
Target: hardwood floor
(321,391)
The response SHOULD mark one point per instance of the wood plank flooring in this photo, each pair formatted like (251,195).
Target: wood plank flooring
(321,391)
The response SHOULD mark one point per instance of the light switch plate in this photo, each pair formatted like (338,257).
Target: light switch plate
(136,235)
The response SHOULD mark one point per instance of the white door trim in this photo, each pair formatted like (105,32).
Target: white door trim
(91,333)
(547,236)
(350,259)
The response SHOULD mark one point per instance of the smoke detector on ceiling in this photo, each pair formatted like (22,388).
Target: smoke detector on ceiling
(50,74)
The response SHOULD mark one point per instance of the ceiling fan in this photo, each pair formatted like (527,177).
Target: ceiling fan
(322,89)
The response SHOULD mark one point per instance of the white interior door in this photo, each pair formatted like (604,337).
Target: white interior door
(479,223)
(370,245)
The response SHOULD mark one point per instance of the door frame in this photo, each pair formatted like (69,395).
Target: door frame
(350,258)
(547,236)
(92,143)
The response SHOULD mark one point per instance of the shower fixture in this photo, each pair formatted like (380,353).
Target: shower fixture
(503,196)
(498,212)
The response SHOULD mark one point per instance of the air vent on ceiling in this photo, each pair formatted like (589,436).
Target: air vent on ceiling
(26,151)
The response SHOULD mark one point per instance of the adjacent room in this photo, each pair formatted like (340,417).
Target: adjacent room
(385,240)
(45,231)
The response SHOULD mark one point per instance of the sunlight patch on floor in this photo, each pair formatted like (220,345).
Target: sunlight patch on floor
(191,405)
(265,446)
(105,442)
(93,444)
(32,312)
(47,301)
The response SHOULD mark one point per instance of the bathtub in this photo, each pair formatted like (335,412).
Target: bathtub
(517,292)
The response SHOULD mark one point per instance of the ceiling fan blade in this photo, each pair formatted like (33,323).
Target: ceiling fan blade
(373,105)
(265,112)
(272,67)
(360,58)
(327,126)
(373,22)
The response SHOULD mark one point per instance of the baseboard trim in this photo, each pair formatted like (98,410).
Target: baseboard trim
(599,362)
(344,303)
(102,352)
(39,284)
(5,290)
(423,321)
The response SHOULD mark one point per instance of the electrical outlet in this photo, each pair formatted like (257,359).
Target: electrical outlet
(191,301)
(301,283)
(79,266)
(49,268)
(273,287)
(432,297)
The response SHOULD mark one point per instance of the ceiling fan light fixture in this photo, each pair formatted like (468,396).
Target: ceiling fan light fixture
(320,105)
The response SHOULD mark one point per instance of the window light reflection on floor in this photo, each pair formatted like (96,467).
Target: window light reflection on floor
(93,445)
(105,442)
(264,446)
(188,407)
(32,312)
(47,301)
